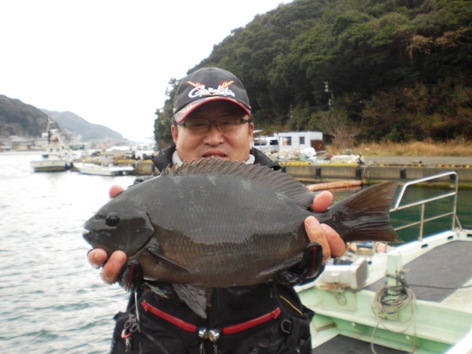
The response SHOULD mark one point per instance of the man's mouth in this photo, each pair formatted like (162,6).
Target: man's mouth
(215,157)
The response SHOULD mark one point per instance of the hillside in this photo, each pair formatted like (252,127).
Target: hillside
(73,123)
(24,120)
(18,118)
(358,70)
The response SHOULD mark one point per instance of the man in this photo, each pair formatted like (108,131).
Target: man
(212,120)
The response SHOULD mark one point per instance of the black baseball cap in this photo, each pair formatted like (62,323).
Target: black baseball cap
(208,84)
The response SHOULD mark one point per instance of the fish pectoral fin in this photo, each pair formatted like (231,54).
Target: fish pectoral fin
(166,262)
(276,269)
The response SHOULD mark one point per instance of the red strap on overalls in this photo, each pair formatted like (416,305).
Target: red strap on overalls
(189,327)
(169,318)
(252,323)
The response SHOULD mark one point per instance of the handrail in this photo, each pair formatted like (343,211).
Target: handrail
(453,177)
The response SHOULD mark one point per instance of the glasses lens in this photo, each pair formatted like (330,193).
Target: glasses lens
(226,124)
(229,123)
(197,125)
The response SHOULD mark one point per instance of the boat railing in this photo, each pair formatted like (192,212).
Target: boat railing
(451,193)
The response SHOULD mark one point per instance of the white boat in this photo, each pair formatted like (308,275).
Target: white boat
(57,156)
(412,298)
(102,169)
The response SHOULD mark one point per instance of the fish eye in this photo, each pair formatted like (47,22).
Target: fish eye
(112,219)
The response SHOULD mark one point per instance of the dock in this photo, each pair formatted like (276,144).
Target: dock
(374,170)
(375,173)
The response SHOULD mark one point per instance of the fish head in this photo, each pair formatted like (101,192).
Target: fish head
(119,226)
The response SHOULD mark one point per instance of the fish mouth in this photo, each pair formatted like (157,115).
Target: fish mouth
(88,235)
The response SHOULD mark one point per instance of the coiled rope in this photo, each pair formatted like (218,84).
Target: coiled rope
(390,300)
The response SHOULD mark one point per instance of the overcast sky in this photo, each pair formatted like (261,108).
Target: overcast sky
(109,61)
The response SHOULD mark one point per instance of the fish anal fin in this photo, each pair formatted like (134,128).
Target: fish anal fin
(194,296)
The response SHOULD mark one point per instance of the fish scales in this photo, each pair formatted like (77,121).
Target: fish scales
(222,224)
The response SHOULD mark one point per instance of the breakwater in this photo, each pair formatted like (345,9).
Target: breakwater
(368,174)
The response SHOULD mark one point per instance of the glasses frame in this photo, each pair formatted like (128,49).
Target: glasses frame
(242,120)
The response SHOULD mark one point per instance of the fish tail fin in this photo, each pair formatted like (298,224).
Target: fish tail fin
(365,215)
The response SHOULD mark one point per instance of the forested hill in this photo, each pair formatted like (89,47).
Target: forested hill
(24,120)
(358,70)
(88,131)
(18,118)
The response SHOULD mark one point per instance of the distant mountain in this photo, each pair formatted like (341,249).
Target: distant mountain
(18,118)
(24,120)
(77,125)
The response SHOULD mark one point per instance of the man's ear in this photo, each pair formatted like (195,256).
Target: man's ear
(175,133)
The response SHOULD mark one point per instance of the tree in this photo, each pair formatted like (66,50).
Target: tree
(376,55)
(163,122)
(337,124)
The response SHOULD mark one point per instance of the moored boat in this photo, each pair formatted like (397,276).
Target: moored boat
(57,156)
(102,169)
(412,298)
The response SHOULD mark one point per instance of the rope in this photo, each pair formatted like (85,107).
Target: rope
(390,300)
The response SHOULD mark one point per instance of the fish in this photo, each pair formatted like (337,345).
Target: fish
(219,224)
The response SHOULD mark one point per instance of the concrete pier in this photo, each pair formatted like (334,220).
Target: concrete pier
(382,169)
(372,174)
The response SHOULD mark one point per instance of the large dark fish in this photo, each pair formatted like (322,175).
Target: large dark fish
(221,224)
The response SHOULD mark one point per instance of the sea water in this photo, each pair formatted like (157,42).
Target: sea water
(51,300)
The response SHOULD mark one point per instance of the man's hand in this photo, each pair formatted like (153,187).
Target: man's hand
(333,245)
(112,266)
(314,256)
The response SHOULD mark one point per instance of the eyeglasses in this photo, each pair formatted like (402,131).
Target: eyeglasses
(226,124)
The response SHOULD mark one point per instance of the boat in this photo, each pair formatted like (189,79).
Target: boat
(57,156)
(104,169)
(414,297)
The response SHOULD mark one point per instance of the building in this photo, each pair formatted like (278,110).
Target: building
(300,140)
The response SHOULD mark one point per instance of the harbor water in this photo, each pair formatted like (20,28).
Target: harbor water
(51,300)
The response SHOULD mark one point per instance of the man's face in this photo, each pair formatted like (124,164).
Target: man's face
(232,146)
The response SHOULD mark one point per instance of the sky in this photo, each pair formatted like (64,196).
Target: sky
(109,61)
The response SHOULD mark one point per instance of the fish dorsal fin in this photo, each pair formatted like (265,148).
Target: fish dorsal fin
(278,181)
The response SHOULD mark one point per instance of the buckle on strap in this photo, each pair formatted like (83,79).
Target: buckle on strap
(209,334)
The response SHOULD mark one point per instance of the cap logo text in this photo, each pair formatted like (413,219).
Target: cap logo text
(200,90)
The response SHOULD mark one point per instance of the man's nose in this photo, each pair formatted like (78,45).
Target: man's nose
(213,136)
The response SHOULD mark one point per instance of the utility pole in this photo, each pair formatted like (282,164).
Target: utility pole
(327,90)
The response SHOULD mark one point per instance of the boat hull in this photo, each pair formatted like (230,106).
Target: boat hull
(97,170)
(50,166)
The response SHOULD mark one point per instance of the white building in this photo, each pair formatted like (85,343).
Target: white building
(267,144)
(298,140)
